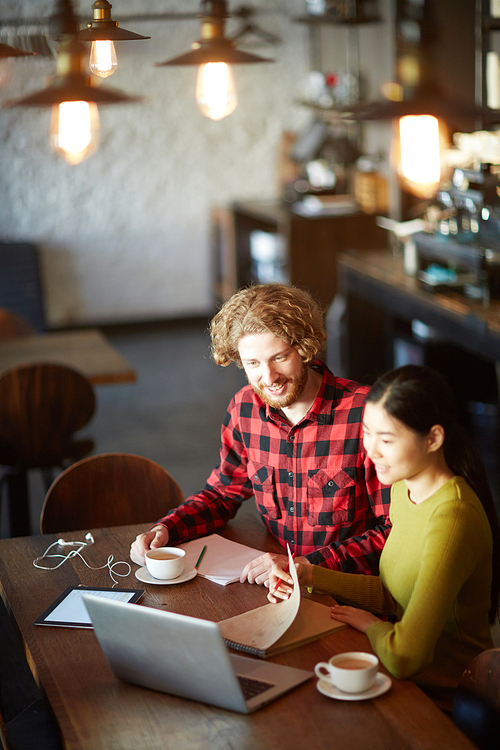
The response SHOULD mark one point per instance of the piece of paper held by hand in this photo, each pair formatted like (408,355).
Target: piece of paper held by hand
(274,628)
(260,628)
(223,561)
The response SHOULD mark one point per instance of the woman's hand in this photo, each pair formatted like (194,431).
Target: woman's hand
(353,616)
(281,583)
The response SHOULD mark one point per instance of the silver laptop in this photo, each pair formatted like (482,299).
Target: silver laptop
(184,656)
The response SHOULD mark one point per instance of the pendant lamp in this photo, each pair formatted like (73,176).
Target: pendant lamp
(214,53)
(74,129)
(103,32)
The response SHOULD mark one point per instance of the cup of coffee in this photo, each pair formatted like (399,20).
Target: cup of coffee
(165,563)
(351,672)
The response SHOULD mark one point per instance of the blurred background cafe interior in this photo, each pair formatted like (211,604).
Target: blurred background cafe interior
(351,147)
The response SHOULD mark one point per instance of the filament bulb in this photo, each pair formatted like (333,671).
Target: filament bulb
(103,60)
(215,90)
(74,130)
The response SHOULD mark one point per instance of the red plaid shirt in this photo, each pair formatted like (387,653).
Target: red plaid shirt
(313,484)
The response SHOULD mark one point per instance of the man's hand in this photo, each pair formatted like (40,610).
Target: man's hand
(157,537)
(258,570)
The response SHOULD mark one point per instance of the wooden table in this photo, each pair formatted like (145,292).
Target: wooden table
(87,351)
(97,712)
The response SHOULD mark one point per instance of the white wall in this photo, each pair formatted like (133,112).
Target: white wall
(125,234)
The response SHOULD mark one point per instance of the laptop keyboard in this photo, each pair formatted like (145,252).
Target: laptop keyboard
(252,687)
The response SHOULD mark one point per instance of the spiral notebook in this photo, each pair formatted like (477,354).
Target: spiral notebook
(274,628)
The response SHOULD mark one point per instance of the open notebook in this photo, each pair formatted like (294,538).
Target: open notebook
(274,628)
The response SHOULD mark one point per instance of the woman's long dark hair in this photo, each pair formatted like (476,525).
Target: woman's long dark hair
(419,397)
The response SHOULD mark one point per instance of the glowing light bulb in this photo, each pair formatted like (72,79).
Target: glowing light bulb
(215,90)
(103,60)
(74,130)
(420,150)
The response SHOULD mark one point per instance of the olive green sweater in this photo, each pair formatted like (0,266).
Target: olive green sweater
(435,577)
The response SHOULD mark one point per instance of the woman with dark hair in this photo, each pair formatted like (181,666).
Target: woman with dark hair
(438,589)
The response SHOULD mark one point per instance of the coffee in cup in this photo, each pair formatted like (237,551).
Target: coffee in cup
(165,563)
(351,672)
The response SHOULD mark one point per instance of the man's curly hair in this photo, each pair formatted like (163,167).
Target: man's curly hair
(291,314)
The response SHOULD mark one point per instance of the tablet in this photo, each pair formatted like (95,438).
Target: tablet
(69,610)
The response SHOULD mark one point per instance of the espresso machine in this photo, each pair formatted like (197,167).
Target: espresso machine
(463,250)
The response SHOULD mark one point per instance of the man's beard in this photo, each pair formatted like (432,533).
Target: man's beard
(295,390)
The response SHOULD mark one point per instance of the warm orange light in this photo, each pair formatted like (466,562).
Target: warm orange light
(215,90)
(392,91)
(74,130)
(103,60)
(420,149)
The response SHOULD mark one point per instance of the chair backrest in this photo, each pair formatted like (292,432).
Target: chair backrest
(21,287)
(12,326)
(476,707)
(110,489)
(41,407)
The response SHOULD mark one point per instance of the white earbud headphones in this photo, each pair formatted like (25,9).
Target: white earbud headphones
(77,552)
(89,537)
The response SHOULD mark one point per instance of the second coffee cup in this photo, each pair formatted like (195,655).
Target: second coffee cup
(165,563)
(351,672)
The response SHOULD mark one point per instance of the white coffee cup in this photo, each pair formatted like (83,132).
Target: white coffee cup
(351,672)
(165,563)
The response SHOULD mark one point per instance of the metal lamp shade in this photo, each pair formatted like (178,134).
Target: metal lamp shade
(214,51)
(72,89)
(7,51)
(423,102)
(104,33)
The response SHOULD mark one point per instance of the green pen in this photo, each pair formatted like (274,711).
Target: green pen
(201,557)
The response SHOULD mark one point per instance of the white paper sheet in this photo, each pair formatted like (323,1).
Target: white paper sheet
(223,561)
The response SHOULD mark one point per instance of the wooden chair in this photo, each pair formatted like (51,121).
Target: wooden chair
(476,708)
(12,326)
(110,489)
(41,407)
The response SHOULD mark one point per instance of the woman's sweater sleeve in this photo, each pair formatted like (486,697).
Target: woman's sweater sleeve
(367,592)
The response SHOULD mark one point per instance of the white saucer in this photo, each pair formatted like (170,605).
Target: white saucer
(380,686)
(145,576)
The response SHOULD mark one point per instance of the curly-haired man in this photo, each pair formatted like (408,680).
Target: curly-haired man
(291,438)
